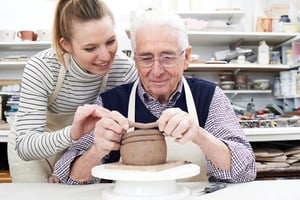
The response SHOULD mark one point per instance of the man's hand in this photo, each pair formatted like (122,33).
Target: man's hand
(178,124)
(53,179)
(109,130)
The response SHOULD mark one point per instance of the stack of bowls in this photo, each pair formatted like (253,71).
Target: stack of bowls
(241,82)
(226,80)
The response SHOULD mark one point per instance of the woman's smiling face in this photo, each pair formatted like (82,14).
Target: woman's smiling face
(93,45)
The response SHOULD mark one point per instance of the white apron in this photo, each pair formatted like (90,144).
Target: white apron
(40,170)
(175,151)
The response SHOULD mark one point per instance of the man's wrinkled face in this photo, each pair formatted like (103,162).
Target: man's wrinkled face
(160,45)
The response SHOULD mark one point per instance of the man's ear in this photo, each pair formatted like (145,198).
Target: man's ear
(187,56)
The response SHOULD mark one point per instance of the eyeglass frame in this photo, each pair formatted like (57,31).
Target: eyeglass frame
(159,59)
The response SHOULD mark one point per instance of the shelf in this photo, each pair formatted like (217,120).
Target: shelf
(295,65)
(237,67)
(12,64)
(25,45)
(247,91)
(288,97)
(9,93)
(272,134)
(3,135)
(217,38)
(213,15)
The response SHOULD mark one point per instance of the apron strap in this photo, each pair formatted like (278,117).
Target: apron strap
(61,76)
(189,98)
(103,84)
(131,104)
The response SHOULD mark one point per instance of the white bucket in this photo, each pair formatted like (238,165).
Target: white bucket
(285,76)
(293,88)
(293,74)
(285,89)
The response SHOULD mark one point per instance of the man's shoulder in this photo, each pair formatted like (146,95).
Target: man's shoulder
(198,82)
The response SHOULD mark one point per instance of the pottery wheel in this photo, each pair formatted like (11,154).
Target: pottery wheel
(146,182)
(171,170)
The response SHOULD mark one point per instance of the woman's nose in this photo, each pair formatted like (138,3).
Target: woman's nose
(103,53)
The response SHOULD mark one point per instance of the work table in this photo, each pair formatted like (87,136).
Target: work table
(266,189)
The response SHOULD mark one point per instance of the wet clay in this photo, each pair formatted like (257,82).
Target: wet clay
(145,146)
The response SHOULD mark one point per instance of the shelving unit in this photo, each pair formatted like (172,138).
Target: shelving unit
(215,39)
(204,41)
(8,67)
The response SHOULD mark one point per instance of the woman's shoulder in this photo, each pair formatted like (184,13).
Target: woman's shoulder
(46,55)
(43,65)
(44,60)
(122,59)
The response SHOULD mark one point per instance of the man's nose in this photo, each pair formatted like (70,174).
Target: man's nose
(157,68)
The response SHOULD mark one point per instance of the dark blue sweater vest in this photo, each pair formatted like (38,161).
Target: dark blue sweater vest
(118,99)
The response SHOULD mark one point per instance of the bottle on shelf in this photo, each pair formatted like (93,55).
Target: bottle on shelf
(263,53)
(298,82)
(251,108)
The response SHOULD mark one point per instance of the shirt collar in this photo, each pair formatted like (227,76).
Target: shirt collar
(146,97)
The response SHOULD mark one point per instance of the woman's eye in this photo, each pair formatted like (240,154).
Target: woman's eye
(111,42)
(90,49)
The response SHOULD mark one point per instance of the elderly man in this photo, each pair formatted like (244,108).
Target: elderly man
(187,110)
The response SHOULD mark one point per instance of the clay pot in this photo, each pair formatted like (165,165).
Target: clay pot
(145,146)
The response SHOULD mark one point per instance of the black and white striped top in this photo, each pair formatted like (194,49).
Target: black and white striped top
(79,87)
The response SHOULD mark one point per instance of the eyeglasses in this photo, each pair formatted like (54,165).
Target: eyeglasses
(166,61)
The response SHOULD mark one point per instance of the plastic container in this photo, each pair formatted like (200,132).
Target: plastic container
(263,53)
(261,84)
(285,89)
(285,76)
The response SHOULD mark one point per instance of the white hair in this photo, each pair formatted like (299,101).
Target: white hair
(165,18)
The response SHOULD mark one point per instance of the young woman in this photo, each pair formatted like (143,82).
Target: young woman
(82,63)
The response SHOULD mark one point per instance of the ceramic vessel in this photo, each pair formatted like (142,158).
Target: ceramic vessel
(145,146)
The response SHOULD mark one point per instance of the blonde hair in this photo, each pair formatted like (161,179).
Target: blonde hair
(69,12)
